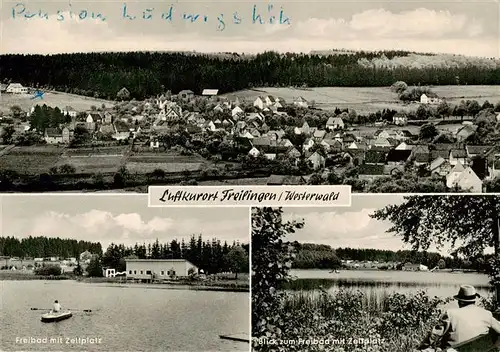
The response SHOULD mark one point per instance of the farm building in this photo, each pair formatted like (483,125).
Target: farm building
(415,267)
(210,92)
(186,94)
(16,88)
(158,268)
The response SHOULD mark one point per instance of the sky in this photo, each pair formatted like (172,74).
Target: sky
(469,27)
(118,219)
(349,227)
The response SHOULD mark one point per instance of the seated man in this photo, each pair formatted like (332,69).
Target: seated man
(458,325)
(57,307)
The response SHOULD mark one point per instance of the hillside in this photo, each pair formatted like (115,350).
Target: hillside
(144,74)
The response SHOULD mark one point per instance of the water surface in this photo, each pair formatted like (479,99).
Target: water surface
(124,319)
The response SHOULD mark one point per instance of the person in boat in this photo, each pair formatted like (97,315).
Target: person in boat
(460,324)
(57,307)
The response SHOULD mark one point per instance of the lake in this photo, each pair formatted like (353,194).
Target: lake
(378,282)
(130,318)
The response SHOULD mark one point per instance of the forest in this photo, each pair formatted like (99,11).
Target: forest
(43,247)
(212,256)
(320,256)
(146,74)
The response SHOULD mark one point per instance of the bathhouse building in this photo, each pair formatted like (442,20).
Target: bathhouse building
(158,268)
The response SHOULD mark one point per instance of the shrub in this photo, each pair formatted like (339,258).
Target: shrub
(48,270)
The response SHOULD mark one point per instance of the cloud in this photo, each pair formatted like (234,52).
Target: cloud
(354,229)
(420,29)
(127,228)
(381,23)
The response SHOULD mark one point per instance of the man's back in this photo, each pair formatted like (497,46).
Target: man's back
(466,323)
(57,307)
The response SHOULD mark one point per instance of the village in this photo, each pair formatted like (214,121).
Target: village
(191,139)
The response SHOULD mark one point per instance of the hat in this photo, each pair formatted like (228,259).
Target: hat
(467,293)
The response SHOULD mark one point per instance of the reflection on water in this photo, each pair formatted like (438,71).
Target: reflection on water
(377,285)
(132,319)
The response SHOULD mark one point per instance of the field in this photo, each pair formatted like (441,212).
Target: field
(59,99)
(369,99)
(171,162)
(103,159)
(30,160)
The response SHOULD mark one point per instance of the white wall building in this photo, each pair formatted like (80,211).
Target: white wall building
(158,268)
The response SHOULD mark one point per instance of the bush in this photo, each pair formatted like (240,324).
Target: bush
(48,270)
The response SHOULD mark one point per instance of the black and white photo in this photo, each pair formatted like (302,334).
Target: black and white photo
(387,97)
(106,273)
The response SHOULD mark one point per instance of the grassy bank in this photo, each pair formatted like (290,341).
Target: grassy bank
(21,275)
(398,323)
(241,284)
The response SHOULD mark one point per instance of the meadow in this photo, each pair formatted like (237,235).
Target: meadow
(370,99)
(147,162)
(30,160)
(51,98)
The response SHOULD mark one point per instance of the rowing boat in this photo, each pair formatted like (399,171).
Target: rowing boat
(52,317)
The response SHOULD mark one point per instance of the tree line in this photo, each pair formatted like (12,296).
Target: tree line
(144,74)
(212,256)
(320,256)
(43,247)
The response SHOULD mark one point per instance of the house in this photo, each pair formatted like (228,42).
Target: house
(171,112)
(57,136)
(16,88)
(494,169)
(381,142)
(477,150)
(300,102)
(453,175)
(186,94)
(209,92)
(318,135)
(122,131)
(465,132)
(317,160)
(293,153)
(467,180)
(237,111)
(440,166)
(260,103)
(424,99)
(421,155)
(397,156)
(458,156)
(93,117)
(254,152)
(415,267)
(334,123)
(149,269)
(69,111)
(404,146)
(399,119)
(154,143)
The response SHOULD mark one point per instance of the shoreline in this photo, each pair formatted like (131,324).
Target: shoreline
(223,286)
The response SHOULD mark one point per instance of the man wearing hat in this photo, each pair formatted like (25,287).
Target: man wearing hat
(463,323)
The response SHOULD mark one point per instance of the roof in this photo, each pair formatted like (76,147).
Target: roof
(285,180)
(158,261)
(437,163)
(15,85)
(478,149)
(186,91)
(396,155)
(210,92)
(53,132)
(459,153)
(457,168)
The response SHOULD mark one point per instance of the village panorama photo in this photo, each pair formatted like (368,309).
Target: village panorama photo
(99,273)
(386,97)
